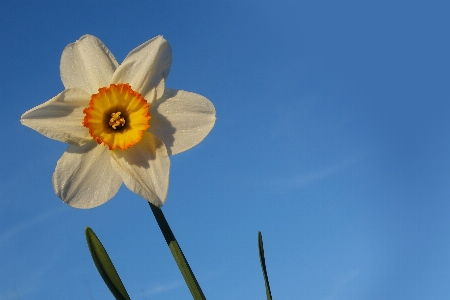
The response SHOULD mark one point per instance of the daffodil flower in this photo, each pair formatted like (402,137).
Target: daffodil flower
(121,122)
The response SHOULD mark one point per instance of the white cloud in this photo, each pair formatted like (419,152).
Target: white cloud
(34,281)
(161,288)
(341,282)
(311,178)
(6,235)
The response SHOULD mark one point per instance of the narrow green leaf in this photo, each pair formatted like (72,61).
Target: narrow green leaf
(177,254)
(105,266)
(263,265)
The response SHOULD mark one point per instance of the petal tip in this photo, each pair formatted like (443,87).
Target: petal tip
(86,36)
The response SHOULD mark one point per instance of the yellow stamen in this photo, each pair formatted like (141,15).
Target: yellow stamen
(116,120)
(117,116)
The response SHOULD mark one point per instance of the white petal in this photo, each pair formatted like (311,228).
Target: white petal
(144,168)
(181,119)
(87,64)
(146,68)
(61,117)
(84,177)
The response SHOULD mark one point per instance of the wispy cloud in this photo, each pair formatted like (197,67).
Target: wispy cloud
(166,287)
(6,235)
(311,178)
(341,282)
(161,288)
(34,280)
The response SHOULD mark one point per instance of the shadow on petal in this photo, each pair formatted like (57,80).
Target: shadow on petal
(144,152)
(160,125)
(82,149)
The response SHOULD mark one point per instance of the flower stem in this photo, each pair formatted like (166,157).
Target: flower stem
(178,255)
(263,265)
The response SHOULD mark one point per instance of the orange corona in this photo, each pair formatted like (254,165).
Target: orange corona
(117,116)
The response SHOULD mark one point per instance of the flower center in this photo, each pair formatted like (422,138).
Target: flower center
(116,120)
(117,116)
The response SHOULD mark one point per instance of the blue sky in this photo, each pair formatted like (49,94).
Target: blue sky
(332,138)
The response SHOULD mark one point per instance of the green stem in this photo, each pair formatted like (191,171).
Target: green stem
(178,255)
(263,265)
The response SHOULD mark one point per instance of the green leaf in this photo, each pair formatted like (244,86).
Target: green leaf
(263,265)
(105,266)
(177,254)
